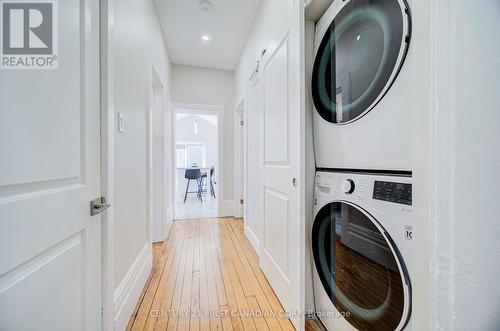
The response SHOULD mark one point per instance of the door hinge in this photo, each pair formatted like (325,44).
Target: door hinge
(241,201)
(242,123)
(98,205)
(102,311)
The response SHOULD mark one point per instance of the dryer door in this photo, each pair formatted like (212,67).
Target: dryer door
(359,57)
(360,268)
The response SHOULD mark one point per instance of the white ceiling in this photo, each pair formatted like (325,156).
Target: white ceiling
(228,22)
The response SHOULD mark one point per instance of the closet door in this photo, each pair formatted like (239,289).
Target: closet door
(283,120)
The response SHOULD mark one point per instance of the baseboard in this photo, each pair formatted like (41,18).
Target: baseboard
(168,221)
(170,213)
(227,208)
(238,210)
(252,238)
(128,292)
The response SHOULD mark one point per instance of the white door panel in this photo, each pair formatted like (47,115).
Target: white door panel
(50,260)
(276,210)
(276,105)
(281,255)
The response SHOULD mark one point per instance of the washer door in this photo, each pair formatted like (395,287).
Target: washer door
(359,57)
(360,268)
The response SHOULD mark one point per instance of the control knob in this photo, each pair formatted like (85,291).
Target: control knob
(348,186)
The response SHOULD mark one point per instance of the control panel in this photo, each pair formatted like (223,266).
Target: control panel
(392,192)
(364,187)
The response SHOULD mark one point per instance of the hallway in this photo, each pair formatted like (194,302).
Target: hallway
(207,267)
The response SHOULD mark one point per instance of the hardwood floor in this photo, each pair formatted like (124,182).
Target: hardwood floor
(206,276)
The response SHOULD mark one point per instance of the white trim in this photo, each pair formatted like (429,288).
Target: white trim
(239,157)
(253,239)
(128,292)
(153,81)
(107,159)
(149,136)
(170,213)
(227,208)
(169,218)
(197,107)
(203,109)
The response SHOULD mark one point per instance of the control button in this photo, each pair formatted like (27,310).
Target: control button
(348,186)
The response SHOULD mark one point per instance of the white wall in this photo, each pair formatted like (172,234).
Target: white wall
(456,134)
(137,44)
(269,17)
(197,85)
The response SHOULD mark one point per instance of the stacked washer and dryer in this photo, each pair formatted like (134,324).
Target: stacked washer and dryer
(362,233)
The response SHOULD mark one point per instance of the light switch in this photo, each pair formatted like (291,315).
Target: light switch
(120,123)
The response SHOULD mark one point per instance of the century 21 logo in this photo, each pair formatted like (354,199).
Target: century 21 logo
(29,34)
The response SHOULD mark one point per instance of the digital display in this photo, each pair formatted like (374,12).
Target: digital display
(392,192)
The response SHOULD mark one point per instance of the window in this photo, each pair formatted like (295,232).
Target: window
(191,154)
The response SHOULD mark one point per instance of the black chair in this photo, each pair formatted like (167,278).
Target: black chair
(212,181)
(193,174)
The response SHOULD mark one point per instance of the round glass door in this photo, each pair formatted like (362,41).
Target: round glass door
(359,57)
(359,268)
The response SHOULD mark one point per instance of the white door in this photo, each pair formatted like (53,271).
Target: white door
(50,245)
(282,245)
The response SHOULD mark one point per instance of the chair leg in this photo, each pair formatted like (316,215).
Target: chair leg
(212,188)
(200,189)
(187,188)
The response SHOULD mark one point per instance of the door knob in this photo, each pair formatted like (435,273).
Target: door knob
(98,205)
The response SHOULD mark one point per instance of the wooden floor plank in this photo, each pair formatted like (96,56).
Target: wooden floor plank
(262,301)
(206,276)
(224,262)
(167,293)
(236,283)
(169,270)
(187,286)
(194,323)
(160,264)
(259,275)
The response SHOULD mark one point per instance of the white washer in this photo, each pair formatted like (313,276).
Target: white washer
(360,86)
(361,248)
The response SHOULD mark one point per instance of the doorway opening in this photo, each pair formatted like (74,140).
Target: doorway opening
(196,163)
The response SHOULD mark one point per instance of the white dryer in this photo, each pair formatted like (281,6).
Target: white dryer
(361,246)
(360,88)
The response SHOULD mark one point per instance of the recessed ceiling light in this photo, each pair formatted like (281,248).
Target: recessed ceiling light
(206,6)
(205,37)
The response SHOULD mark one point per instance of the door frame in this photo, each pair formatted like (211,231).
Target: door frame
(240,174)
(107,160)
(154,82)
(200,109)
